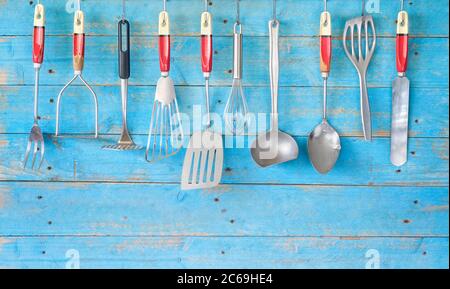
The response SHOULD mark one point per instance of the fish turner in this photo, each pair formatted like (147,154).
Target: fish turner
(203,163)
(360,54)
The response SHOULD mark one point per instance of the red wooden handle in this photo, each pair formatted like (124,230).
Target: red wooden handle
(164,53)
(78,51)
(325,54)
(207,53)
(402,53)
(38,44)
(78,44)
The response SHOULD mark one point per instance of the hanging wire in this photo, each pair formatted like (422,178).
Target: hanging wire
(363,7)
(325,5)
(124,10)
(206,5)
(402,5)
(274,10)
(238,12)
(164,5)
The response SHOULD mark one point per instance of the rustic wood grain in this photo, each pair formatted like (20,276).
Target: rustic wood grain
(221,252)
(120,212)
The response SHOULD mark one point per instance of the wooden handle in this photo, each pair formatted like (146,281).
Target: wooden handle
(325,43)
(164,23)
(207,42)
(78,22)
(403,23)
(78,41)
(78,51)
(164,42)
(39,34)
(402,42)
(39,16)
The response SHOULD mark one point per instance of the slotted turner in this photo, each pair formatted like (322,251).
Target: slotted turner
(203,163)
(360,54)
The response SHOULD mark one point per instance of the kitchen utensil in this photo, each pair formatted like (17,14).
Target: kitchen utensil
(400,95)
(166,133)
(361,55)
(275,146)
(236,109)
(78,65)
(203,163)
(36,138)
(125,142)
(324,144)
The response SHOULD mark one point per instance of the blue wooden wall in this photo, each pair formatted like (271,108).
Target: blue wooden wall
(112,209)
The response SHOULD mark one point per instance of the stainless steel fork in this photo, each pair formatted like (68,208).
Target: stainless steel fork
(36,138)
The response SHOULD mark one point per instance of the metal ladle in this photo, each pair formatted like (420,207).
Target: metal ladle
(324,144)
(275,146)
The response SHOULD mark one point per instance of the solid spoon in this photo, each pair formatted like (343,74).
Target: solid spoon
(324,144)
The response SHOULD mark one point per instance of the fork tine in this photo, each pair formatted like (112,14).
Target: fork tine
(35,150)
(367,39)
(27,154)
(42,154)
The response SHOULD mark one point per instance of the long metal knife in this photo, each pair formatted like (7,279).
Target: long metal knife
(400,95)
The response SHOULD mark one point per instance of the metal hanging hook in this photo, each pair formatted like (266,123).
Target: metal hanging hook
(124,10)
(274,9)
(206,22)
(238,12)
(325,10)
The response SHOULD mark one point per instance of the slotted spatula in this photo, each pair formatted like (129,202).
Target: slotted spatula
(203,163)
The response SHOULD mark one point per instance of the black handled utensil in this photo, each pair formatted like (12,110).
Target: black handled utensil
(125,142)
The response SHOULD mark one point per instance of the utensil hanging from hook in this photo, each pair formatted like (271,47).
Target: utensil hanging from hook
(274,147)
(236,109)
(78,65)
(36,137)
(125,142)
(365,28)
(166,136)
(324,144)
(203,162)
(400,93)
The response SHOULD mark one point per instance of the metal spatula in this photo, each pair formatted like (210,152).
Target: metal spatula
(360,54)
(203,163)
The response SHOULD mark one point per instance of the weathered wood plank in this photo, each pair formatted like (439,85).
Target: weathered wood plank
(222,252)
(297,17)
(300,109)
(84,160)
(229,210)
(299,59)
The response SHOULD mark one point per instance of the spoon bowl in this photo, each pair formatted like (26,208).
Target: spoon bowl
(274,147)
(324,147)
